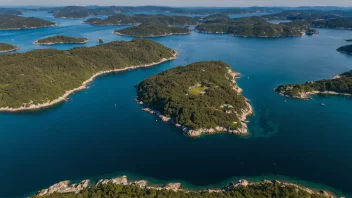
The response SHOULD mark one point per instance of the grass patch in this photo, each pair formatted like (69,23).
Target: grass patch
(197,90)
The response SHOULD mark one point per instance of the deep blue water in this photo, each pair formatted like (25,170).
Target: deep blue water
(88,137)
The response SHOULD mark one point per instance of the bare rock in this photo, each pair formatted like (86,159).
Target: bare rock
(173,186)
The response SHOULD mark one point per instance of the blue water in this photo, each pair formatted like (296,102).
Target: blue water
(88,137)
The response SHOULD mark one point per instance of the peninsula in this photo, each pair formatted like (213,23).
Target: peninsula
(5,47)
(201,98)
(339,85)
(41,78)
(60,40)
(13,22)
(122,187)
(121,19)
(347,49)
(152,30)
(254,27)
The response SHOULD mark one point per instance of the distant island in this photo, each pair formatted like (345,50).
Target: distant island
(13,22)
(348,40)
(340,23)
(306,15)
(4,47)
(201,98)
(121,187)
(152,30)
(121,19)
(60,40)
(254,27)
(339,85)
(345,49)
(41,78)
(86,11)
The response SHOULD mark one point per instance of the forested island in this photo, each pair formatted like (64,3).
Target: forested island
(254,27)
(121,19)
(339,85)
(340,23)
(347,49)
(201,98)
(60,40)
(13,22)
(121,187)
(152,30)
(41,78)
(5,47)
(307,15)
(81,11)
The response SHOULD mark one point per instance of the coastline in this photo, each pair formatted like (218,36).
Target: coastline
(153,36)
(83,86)
(243,130)
(31,27)
(54,43)
(11,50)
(307,95)
(69,187)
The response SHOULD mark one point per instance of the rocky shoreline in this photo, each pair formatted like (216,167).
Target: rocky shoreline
(307,95)
(67,187)
(243,130)
(64,97)
(54,43)
(10,50)
(152,36)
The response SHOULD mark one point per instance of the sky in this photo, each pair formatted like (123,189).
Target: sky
(182,3)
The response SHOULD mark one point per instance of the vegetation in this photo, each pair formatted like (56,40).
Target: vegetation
(340,23)
(121,19)
(4,47)
(40,76)
(257,190)
(307,15)
(61,39)
(168,92)
(152,30)
(8,22)
(81,12)
(254,27)
(341,84)
(10,11)
(345,49)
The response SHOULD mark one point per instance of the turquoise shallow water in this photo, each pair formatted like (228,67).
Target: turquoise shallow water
(88,137)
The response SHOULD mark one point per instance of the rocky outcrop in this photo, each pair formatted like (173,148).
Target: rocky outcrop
(118,180)
(64,187)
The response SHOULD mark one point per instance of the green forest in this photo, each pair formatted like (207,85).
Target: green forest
(340,23)
(256,190)
(8,22)
(253,27)
(61,39)
(40,76)
(5,47)
(152,30)
(121,19)
(168,92)
(339,85)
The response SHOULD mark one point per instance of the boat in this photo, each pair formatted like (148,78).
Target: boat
(322,104)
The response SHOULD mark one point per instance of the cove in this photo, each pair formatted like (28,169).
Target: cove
(88,137)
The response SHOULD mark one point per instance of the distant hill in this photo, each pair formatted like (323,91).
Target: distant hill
(152,30)
(121,19)
(12,22)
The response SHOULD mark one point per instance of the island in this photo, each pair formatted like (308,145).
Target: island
(254,27)
(349,40)
(13,22)
(122,187)
(339,23)
(307,15)
(71,12)
(201,98)
(339,85)
(312,31)
(152,30)
(5,47)
(41,78)
(60,40)
(347,49)
(121,19)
